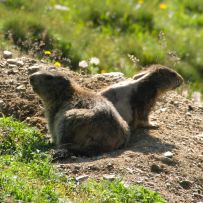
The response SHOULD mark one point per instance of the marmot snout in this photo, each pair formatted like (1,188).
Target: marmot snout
(80,120)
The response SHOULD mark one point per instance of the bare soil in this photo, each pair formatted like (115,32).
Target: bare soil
(177,176)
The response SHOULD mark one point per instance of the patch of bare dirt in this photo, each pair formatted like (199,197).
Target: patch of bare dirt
(168,160)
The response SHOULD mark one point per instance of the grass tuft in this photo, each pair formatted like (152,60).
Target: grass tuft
(27,173)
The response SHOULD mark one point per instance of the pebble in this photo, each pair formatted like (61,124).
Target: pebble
(21,87)
(15,62)
(168,154)
(117,75)
(7,54)
(163,109)
(12,66)
(156,168)
(186,184)
(1,104)
(33,69)
(109,177)
(82,178)
(73,157)
(199,136)
(168,161)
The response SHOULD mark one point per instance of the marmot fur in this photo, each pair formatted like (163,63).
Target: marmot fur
(79,120)
(134,98)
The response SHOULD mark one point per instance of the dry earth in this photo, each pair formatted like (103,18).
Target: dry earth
(177,174)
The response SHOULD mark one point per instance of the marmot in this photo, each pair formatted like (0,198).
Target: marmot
(78,119)
(134,98)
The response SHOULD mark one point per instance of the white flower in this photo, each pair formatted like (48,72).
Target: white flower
(94,61)
(61,7)
(83,64)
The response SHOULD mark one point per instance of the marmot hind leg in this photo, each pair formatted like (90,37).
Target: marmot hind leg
(88,133)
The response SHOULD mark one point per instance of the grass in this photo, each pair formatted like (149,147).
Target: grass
(165,32)
(27,173)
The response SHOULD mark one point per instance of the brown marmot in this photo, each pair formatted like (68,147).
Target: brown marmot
(134,98)
(78,119)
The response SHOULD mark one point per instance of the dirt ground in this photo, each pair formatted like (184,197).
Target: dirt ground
(177,174)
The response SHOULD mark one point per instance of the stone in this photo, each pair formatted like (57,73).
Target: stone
(21,87)
(1,105)
(33,69)
(15,62)
(73,157)
(168,154)
(199,137)
(7,54)
(156,168)
(82,178)
(118,76)
(186,184)
(168,161)
(12,66)
(109,177)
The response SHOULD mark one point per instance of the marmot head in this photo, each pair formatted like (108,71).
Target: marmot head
(162,77)
(50,85)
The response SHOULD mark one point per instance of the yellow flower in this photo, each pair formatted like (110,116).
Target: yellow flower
(141,1)
(163,6)
(57,64)
(103,71)
(47,52)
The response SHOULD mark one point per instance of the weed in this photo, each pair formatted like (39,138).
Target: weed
(27,173)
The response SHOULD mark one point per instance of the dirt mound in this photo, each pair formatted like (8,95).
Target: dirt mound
(168,160)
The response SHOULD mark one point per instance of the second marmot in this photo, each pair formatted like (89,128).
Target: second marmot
(134,98)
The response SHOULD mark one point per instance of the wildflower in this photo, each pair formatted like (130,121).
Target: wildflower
(94,61)
(47,52)
(57,64)
(83,64)
(103,71)
(163,6)
(141,1)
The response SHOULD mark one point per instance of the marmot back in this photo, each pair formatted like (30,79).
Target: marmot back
(134,98)
(79,120)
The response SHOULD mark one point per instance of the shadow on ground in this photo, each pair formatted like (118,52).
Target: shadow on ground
(140,141)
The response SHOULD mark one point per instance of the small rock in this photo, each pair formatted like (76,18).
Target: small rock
(12,66)
(60,154)
(199,137)
(190,108)
(7,54)
(73,157)
(163,109)
(2,64)
(168,154)
(82,178)
(156,168)
(109,177)
(168,161)
(21,87)
(20,63)
(188,114)
(117,75)
(1,105)
(33,69)
(186,184)
(15,62)
(110,166)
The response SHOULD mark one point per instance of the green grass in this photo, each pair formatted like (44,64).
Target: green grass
(27,173)
(171,34)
